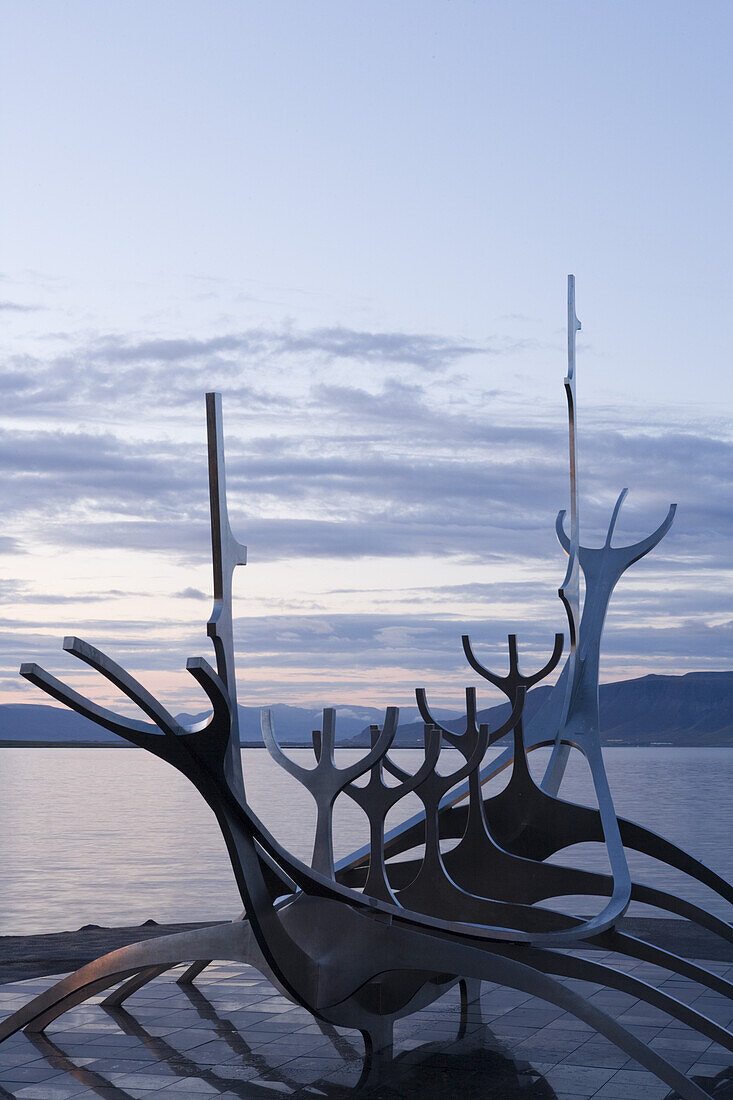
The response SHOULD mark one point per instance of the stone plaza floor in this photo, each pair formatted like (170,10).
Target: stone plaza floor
(233,1035)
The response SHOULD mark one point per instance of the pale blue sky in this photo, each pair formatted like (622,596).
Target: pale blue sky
(356,220)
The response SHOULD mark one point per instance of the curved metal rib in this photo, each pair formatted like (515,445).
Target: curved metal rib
(140,733)
(454,739)
(621,896)
(325,781)
(233,941)
(427,717)
(562,538)
(634,948)
(514,675)
(376,799)
(494,966)
(570,966)
(640,839)
(640,549)
(125,682)
(267,725)
(530,681)
(214,687)
(378,750)
(137,981)
(614,515)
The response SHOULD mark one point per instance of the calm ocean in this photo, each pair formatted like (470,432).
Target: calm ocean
(114,836)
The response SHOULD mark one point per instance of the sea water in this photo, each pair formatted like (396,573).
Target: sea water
(114,836)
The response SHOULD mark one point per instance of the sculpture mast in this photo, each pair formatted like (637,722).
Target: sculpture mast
(569,591)
(226,555)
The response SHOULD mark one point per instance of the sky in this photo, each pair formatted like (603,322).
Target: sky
(356,221)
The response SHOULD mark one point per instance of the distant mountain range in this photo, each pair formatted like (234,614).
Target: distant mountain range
(695,709)
(36,723)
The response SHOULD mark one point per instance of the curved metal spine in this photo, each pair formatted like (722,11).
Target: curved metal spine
(528,978)
(570,966)
(633,947)
(137,981)
(192,972)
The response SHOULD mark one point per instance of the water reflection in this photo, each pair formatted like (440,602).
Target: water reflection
(474,1064)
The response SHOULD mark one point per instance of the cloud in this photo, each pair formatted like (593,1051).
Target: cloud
(15,382)
(428,352)
(339,495)
(19,592)
(382,648)
(415,349)
(351,463)
(17,307)
(48,473)
(10,545)
(116,350)
(154,374)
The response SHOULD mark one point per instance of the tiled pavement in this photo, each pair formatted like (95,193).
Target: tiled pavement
(232,1035)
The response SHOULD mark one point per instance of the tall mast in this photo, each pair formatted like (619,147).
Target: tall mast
(570,590)
(226,555)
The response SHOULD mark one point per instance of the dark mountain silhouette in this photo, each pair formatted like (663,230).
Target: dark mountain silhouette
(695,709)
(39,723)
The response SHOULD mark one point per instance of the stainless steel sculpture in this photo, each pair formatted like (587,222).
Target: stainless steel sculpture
(365,941)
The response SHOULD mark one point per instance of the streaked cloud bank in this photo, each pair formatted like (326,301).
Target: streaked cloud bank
(391,500)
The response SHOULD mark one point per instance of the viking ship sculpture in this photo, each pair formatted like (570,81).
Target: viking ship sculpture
(372,938)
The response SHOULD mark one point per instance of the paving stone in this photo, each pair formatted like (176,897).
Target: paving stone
(50,1091)
(633,1085)
(575,1080)
(235,1037)
(30,1074)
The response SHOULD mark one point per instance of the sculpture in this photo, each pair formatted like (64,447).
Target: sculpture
(370,939)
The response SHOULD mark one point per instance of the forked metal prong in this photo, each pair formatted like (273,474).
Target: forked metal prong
(122,679)
(129,728)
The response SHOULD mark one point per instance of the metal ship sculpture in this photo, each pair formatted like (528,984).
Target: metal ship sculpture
(365,941)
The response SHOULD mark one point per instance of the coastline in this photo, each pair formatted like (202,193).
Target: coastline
(34,956)
(611,743)
(25,957)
